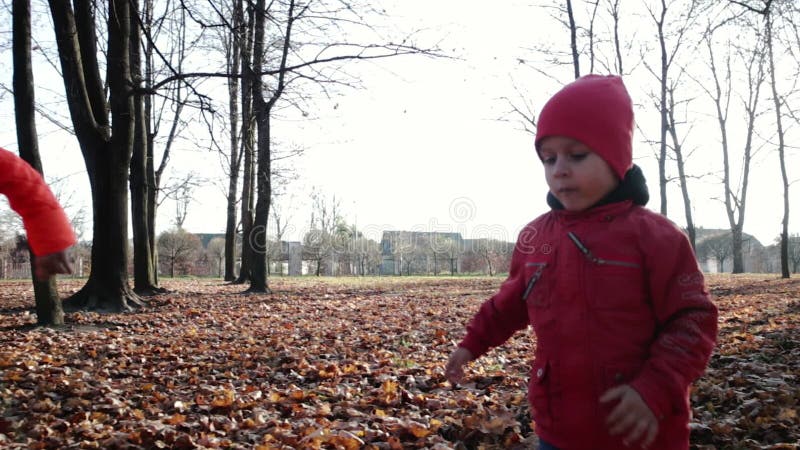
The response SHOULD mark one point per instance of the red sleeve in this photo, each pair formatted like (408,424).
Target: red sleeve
(687,322)
(45,222)
(501,316)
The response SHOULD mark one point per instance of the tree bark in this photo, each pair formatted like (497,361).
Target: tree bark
(143,263)
(106,150)
(662,153)
(617,47)
(781,147)
(150,172)
(238,36)
(248,144)
(262,109)
(49,311)
(677,149)
(257,237)
(573,41)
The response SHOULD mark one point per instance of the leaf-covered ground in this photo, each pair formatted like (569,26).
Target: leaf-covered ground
(346,364)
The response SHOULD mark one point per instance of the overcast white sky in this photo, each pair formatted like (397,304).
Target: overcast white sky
(420,147)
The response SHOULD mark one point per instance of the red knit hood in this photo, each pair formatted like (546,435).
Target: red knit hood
(597,111)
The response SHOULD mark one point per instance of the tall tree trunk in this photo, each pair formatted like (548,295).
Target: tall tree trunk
(591,36)
(263,112)
(248,145)
(573,40)
(143,264)
(257,237)
(617,47)
(781,147)
(106,150)
(49,311)
(150,171)
(238,36)
(677,149)
(155,174)
(662,153)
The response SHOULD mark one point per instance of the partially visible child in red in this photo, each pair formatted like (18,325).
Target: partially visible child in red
(623,320)
(46,225)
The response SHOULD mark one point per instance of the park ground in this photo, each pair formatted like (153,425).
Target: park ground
(344,363)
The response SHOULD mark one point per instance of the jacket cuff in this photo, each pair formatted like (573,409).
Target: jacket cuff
(49,232)
(474,345)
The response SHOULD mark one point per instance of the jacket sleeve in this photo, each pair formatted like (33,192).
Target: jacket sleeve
(500,316)
(45,222)
(686,322)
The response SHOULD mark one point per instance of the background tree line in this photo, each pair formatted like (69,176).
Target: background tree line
(741,58)
(140,76)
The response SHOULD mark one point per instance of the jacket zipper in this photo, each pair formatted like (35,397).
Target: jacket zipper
(534,278)
(590,256)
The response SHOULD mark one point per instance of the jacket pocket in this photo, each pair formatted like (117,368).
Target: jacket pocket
(617,284)
(539,394)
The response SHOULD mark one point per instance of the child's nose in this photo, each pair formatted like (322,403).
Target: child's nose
(561,167)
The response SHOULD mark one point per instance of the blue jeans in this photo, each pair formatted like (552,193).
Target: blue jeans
(545,446)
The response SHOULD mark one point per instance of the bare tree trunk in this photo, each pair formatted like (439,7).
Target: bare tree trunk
(677,149)
(154,173)
(573,40)
(49,311)
(143,263)
(591,36)
(106,150)
(150,172)
(238,36)
(248,144)
(263,111)
(781,147)
(617,48)
(662,153)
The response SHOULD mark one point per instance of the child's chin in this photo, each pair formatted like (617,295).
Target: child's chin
(574,207)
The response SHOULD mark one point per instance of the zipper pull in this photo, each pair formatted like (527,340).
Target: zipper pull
(582,247)
(533,281)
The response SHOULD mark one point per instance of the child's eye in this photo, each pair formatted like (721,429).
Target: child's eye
(578,156)
(549,160)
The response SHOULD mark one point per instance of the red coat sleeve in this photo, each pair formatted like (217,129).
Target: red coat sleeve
(500,316)
(686,320)
(45,222)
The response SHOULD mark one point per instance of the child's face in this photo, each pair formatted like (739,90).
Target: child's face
(576,175)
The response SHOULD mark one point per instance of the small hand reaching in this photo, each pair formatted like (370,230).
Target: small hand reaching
(51,264)
(631,416)
(454,370)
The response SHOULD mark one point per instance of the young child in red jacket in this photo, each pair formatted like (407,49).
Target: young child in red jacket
(47,227)
(623,321)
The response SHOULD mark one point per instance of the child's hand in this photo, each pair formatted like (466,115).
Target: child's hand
(631,416)
(454,370)
(51,264)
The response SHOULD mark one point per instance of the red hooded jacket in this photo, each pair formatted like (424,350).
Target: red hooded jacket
(46,225)
(614,295)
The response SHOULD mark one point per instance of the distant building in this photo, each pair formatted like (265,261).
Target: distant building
(714,249)
(435,253)
(287,261)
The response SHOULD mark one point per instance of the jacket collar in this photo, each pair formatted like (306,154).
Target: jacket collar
(601,213)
